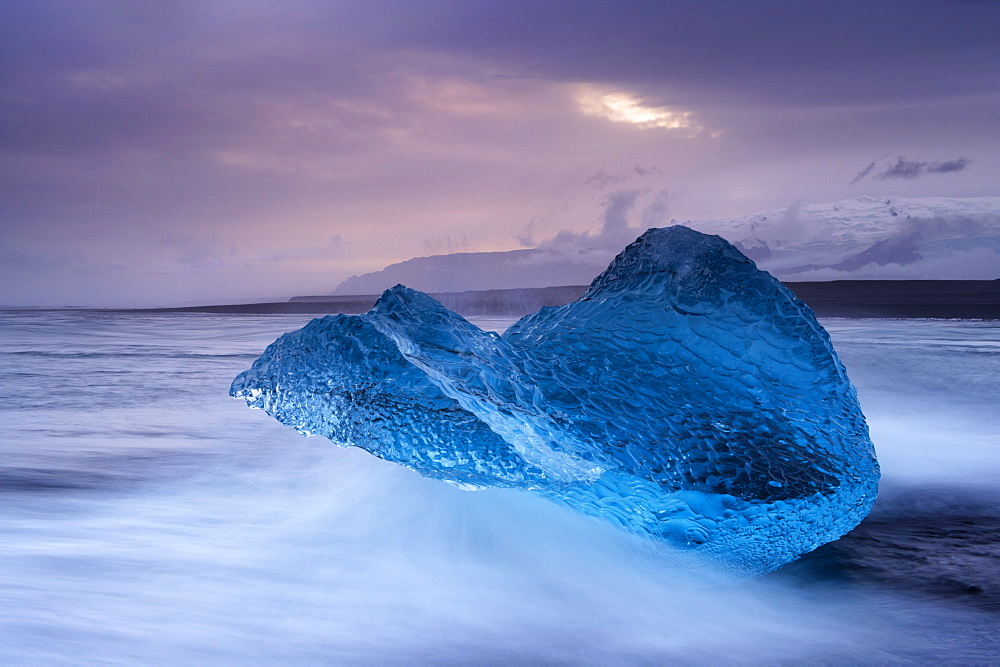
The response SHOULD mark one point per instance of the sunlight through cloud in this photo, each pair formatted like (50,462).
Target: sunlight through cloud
(621,107)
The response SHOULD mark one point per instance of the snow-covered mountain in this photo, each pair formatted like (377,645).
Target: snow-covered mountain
(887,238)
(891,238)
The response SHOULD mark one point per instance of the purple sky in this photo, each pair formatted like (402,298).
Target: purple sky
(166,153)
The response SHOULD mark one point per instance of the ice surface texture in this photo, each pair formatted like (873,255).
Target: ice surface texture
(686,396)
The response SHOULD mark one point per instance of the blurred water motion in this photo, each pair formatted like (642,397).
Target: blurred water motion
(147,517)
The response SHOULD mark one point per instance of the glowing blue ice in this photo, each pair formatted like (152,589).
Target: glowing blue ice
(686,396)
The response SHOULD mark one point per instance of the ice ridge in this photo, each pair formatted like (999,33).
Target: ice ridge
(687,396)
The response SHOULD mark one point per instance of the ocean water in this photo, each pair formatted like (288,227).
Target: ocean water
(146,517)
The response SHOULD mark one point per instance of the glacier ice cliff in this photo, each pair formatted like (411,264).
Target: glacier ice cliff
(687,396)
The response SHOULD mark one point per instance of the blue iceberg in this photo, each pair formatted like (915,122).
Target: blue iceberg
(687,396)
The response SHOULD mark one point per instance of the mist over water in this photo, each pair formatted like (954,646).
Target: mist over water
(147,517)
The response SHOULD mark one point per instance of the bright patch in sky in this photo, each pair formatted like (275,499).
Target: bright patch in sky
(625,108)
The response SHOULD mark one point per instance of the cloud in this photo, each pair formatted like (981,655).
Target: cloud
(650,208)
(904,168)
(948,166)
(910,169)
(202,254)
(864,172)
(784,52)
(907,169)
(655,214)
(615,227)
(604,178)
(622,107)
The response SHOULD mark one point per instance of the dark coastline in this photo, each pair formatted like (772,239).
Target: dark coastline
(499,303)
(860,299)
(946,299)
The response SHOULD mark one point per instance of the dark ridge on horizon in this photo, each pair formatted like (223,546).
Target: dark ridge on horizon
(496,302)
(860,299)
